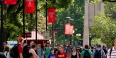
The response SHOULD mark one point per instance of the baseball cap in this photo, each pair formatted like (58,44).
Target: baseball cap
(20,39)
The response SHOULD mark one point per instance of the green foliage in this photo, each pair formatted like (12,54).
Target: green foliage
(76,12)
(104,28)
(14,16)
(96,41)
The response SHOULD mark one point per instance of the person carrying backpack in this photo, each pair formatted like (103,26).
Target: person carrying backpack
(28,51)
(86,53)
(112,51)
(98,52)
(17,50)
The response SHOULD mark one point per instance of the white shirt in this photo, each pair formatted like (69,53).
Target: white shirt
(7,54)
(113,53)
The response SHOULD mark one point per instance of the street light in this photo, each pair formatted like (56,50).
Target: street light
(70,30)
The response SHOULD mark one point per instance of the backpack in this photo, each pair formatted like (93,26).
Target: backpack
(14,51)
(2,55)
(111,51)
(87,54)
(97,54)
(26,53)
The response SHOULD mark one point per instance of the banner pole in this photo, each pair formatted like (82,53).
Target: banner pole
(36,22)
(1,23)
(46,17)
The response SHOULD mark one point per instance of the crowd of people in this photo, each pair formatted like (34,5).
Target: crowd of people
(23,50)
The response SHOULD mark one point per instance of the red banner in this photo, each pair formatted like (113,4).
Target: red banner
(10,2)
(69,29)
(29,6)
(51,15)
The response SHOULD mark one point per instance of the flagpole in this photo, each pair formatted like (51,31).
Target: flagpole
(53,33)
(46,17)
(24,19)
(36,23)
(1,22)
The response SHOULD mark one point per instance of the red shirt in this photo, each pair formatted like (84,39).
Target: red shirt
(62,55)
(20,49)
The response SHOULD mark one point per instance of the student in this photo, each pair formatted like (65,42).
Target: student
(74,53)
(52,54)
(112,51)
(4,45)
(47,50)
(29,51)
(17,49)
(98,52)
(61,53)
(33,51)
(86,53)
(39,51)
(20,47)
(6,51)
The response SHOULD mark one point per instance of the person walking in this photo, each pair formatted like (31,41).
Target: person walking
(47,50)
(61,53)
(105,49)
(33,51)
(98,52)
(74,53)
(5,44)
(40,51)
(86,53)
(6,52)
(112,51)
(17,50)
(52,54)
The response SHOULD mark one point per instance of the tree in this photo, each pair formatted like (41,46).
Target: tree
(14,14)
(104,29)
(76,12)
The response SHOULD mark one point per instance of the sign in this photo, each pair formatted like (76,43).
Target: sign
(10,2)
(69,29)
(51,15)
(29,6)
(46,35)
(26,35)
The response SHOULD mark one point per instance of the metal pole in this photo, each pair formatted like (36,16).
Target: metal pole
(24,18)
(1,22)
(46,16)
(53,34)
(36,23)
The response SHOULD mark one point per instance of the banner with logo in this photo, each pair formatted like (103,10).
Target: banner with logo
(51,15)
(10,2)
(29,6)
(69,29)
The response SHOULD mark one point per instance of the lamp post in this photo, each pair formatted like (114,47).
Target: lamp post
(70,30)
(36,21)
(1,41)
